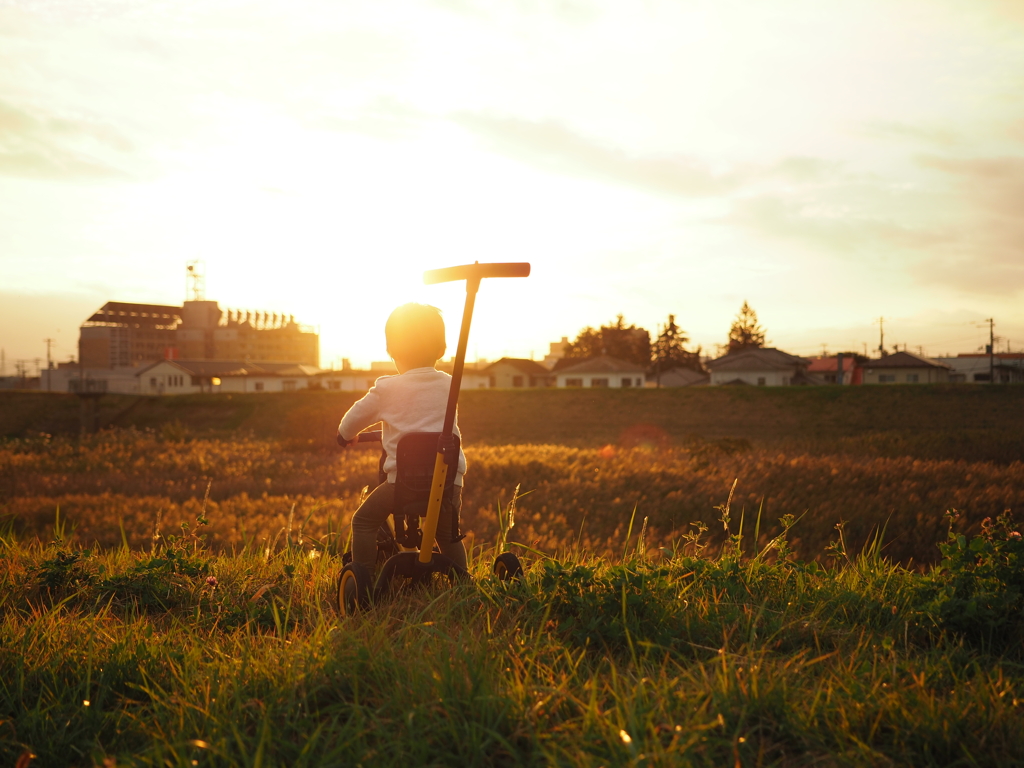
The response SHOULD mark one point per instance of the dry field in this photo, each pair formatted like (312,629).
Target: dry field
(133,483)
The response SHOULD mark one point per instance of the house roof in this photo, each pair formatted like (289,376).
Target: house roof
(680,377)
(764,358)
(521,364)
(225,368)
(602,364)
(904,360)
(831,364)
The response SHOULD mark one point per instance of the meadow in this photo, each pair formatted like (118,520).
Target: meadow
(730,577)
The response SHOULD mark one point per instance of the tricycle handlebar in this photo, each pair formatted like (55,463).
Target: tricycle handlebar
(363,437)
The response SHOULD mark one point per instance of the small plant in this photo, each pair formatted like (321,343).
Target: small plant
(66,570)
(977,590)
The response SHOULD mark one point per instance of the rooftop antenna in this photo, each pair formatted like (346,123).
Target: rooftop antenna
(195,282)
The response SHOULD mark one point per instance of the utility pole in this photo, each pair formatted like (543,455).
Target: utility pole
(881,337)
(991,350)
(49,364)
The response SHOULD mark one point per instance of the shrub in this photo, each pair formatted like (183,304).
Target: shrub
(977,591)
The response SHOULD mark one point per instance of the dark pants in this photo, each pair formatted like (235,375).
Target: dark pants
(375,510)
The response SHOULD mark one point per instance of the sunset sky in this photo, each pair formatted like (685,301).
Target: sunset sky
(829,162)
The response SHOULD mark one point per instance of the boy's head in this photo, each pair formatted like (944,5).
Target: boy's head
(415,336)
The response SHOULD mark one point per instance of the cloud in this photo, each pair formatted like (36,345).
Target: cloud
(917,134)
(959,229)
(551,146)
(836,228)
(55,147)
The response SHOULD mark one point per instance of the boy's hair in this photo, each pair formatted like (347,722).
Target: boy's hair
(415,332)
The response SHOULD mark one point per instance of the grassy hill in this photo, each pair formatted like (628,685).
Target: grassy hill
(974,423)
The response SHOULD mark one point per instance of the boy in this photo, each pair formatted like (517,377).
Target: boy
(412,401)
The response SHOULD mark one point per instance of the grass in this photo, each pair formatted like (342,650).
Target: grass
(737,659)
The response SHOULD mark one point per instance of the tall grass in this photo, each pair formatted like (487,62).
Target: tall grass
(182,656)
(571,495)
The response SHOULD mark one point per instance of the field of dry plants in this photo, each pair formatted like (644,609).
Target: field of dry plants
(266,466)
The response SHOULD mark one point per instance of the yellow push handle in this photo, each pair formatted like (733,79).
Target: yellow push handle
(433,508)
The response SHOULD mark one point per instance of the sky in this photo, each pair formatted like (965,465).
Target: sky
(830,163)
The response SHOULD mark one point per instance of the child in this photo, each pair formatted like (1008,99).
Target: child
(412,401)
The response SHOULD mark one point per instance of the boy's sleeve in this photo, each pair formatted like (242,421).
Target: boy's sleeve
(363,413)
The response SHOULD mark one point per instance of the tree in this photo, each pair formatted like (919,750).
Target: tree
(745,333)
(626,342)
(670,351)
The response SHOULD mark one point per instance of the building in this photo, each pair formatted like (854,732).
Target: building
(516,373)
(678,377)
(1005,368)
(827,369)
(905,368)
(556,351)
(123,335)
(600,371)
(762,367)
(185,377)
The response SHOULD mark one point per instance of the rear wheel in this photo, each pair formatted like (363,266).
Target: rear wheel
(507,567)
(353,589)
(404,571)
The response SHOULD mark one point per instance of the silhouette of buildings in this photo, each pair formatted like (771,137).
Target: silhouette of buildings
(122,335)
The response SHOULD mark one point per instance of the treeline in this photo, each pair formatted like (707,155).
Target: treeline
(668,349)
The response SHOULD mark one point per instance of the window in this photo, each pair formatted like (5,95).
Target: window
(288,386)
(887,378)
(334,385)
(911,378)
(258,386)
(492,382)
(958,378)
(599,382)
(574,382)
(761,381)
(639,382)
(982,377)
(152,381)
(215,381)
(627,382)
(517,381)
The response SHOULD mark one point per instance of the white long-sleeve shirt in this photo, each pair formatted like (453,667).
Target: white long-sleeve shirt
(413,401)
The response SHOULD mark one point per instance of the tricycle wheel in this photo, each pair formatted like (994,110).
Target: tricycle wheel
(404,571)
(507,567)
(353,589)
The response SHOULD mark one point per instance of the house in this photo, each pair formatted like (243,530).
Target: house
(905,368)
(349,379)
(600,371)
(473,376)
(827,369)
(183,377)
(677,377)
(1006,368)
(763,367)
(516,373)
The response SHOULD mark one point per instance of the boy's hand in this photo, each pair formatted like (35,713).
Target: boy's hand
(345,443)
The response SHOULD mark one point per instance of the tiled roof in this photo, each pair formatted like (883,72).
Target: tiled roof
(521,364)
(903,360)
(765,358)
(602,364)
(831,364)
(224,368)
